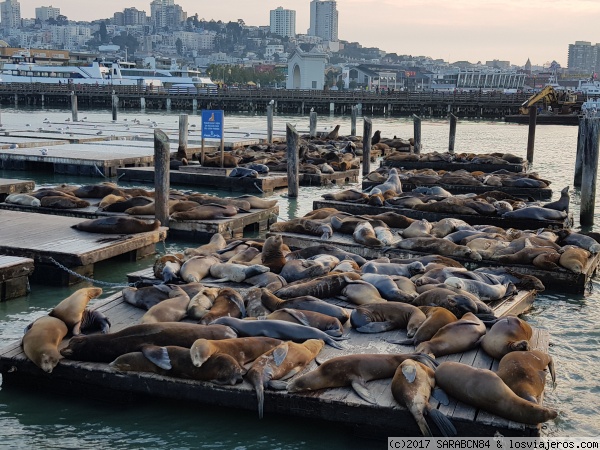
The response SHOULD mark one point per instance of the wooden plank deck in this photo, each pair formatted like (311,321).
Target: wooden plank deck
(522,224)
(342,405)
(561,279)
(201,230)
(443,165)
(10,186)
(531,193)
(14,276)
(46,238)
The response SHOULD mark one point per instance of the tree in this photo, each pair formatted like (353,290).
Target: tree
(179,46)
(126,40)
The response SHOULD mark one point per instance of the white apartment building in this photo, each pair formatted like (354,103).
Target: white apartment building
(324,19)
(270,50)
(70,36)
(195,41)
(283,22)
(10,14)
(44,13)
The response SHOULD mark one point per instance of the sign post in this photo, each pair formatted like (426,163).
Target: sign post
(212,128)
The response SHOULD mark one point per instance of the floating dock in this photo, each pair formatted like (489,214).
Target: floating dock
(342,405)
(450,166)
(561,280)
(9,186)
(202,230)
(522,224)
(49,240)
(14,276)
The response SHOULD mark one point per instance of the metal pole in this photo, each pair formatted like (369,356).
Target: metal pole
(417,132)
(292,160)
(590,171)
(367,134)
(183,136)
(531,135)
(161,176)
(453,120)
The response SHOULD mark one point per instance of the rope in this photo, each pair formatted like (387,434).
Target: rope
(256,186)
(102,283)
(99,171)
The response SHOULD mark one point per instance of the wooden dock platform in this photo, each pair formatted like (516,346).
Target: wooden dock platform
(11,186)
(342,405)
(522,224)
(527,193)
(201,230)
(450,166)
(14,276)
(50,239)
(561,280)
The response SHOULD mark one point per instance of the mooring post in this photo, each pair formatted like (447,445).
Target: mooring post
(74,106)
(353,120)
(313,124)
(531,135)
(579,154)
(453,120)
(183,136)
(417,133)
(367,134)
(590,170)
(162,155)
(270,122)
(115,105)
(291,136)
(223,144)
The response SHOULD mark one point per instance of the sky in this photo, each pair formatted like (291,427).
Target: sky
(457,30)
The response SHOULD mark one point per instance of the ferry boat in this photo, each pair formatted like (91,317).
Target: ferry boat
(173,80)
(589,87)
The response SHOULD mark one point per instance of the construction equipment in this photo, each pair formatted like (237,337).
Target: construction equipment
(560,102)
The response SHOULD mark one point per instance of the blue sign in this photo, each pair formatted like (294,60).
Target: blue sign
(212,124)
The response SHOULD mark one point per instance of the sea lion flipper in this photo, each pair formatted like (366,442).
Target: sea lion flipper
(401,342)
(158,356)
(298,315)
(376,327)
(76,331)
(440,395)
(410,372)
(550,368)
(444,424)
(279,354)
(277,385)
(361,390)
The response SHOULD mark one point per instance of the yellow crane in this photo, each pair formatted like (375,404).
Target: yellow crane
(560,102)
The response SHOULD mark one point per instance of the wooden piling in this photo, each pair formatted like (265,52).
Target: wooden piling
(531,135)
(579,154)
(183,136)
(74,107)
(292,159)
(270,123)
(591,134)
(313,124)
(223,143)
(353,120)
(161,176)
(417,133)
(367,134)
(115,105)
(453,120)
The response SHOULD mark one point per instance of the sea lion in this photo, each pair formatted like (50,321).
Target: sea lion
(107,347)
(486,292)
(117,225)
(444,227)
(71,309)
(272,254)
(355,371)
(387,288)
(536,213)
(377,318)
(436,318)
(524,373)
(485,390)
(567,237)
(197,268)
(217,242)
(393,183)
(280,363)
(229,303)
(360,292)
(508,334)
(253,303)
(272,302)
(365,234)
(574,258)
(109,200)
(323,322)
(257,202)
(526,256)
(63,202)
(323,287)
(23,200)
(243,350)
(172,309)
(206,212)
(94,320)
(403,270)
(278,329)
(324,249)
(246,256)
(304,226)
(124,205)
(526,282)
(347,225)
(456,337)
(300,269)
(439,246)
(347,265)
(419,228)
(97,190)
(149,296)
(167,267)
(201,303)
(235,272)
(456,303)
(205,199)
(391,219)
(269,280)
(349,195)
(136,362)
(243,172)
(40,342)
(411,387)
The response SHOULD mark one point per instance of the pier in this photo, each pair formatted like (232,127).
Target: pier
(10,186)
(14,276)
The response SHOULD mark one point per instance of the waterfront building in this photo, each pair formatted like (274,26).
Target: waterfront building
(283,22)
(10,14)
(583,57)
(44,13)
(306,70)
(324,20)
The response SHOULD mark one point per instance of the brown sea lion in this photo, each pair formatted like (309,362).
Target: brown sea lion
(71,309)
(23,200)
(456,337)
(281,363)
(273,303)
(216,243)
(229,160)
(117,225)
(436,318)
(301,269)
(201,303)
(365,234)
(380,317)
(304,226)
(323,322)
(40,342)
(243,350)
(110,199)
(172,309)
(272,254)
(206,212)
(323,287)
(508,334)
(392,219)
(228,303)
(442,247)
(205,199)
(197,268)
(524,373)
(147,297)
(97,190)
(360,292)
(485,390)
(350,195)
(63,202)
(124,205)
(167,267)
(257,202)
(574,258)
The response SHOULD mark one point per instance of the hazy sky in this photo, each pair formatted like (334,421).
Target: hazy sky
(473,30)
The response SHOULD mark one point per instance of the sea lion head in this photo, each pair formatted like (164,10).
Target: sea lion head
(200,351)
(416,268)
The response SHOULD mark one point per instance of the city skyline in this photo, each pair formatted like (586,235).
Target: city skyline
(463,30)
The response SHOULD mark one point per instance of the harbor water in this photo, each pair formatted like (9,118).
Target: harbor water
(35,419)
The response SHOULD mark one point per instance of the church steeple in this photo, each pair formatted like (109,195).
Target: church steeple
(528,67)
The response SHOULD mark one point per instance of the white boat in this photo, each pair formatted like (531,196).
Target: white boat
(591,107)
(176,81)
(589,87)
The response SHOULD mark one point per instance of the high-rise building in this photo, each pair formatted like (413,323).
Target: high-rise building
(283,22)
(324,19)
(158,12)
(584,57)
(132,16)
(44,13)
(10,14)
